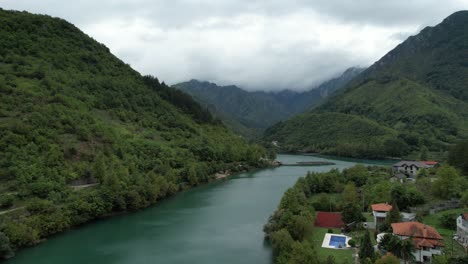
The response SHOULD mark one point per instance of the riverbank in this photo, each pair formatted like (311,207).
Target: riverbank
(90,206)
(209,224)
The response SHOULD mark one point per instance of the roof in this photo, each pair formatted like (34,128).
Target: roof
(416,230)
(421,234)
(465,216)
(423,242)
(329,220)
(418,164)
(430,162)
(382,207)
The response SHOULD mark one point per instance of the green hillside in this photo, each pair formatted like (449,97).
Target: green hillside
(333,133)
(250,113)
(72,114)
(418,90)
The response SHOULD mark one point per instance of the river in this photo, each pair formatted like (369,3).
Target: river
(219,222)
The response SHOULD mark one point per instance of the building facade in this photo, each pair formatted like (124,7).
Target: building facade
(379,211)
(411,168)
(462,230)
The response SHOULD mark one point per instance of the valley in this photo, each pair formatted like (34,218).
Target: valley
(102,161)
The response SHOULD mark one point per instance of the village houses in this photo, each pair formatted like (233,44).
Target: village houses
(411,168)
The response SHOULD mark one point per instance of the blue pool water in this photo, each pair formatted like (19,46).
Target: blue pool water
(336,241)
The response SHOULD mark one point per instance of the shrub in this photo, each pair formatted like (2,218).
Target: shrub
(448,220)
(352,243)
(6,201)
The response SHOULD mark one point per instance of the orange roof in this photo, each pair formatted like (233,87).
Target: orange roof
(429,162)
(416,230)
(422,235)
(422,242)
(465,216)
(383,207)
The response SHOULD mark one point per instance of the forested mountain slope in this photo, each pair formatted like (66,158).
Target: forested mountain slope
(251,112)
(418,90)
(71,113)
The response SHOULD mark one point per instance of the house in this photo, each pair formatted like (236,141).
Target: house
(328,220)
(379,211)
(426,239)
(411,168)
(462,230)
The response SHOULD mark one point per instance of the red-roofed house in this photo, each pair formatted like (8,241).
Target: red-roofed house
(462,229)
(379,211)
(426,239)
(430,163)
(328,220)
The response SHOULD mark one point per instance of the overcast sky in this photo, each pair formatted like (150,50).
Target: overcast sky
(268,45)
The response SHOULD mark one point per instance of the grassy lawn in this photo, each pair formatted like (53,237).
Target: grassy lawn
(433,220)
(339,254)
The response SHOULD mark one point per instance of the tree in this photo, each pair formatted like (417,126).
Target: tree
(300,227)
(448,220)
(424,153)
(293,200)
(394,215)
(303,253)
(401,248)
(357,174)
(366,250)
(281,242)
(6,200)
(395,147)
(458,156)
(350,194)
(352,213)
(442,259)
(406,250)
(423,173)
(464,199)
(406,195)
(448,183)
(388,259)
(5,249)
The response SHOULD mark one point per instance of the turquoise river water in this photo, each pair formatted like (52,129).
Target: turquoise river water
(219,222)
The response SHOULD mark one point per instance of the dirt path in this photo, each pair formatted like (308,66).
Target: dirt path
(11,210)
(78,187)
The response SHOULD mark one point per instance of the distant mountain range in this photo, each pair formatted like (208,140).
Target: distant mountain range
(249,113)
(415,96)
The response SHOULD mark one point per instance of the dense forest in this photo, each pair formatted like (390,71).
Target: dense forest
(84,136)
(417,93)
(250,112)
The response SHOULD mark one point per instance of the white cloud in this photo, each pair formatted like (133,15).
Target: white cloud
(255,44)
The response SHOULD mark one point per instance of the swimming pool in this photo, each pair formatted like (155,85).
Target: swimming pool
(337,241)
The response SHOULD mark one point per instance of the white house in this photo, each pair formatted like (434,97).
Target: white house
(462,230)
(426,239)
(411,168)
(379,211)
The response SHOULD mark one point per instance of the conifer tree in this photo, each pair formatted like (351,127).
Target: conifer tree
(394,215)
(366,250)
